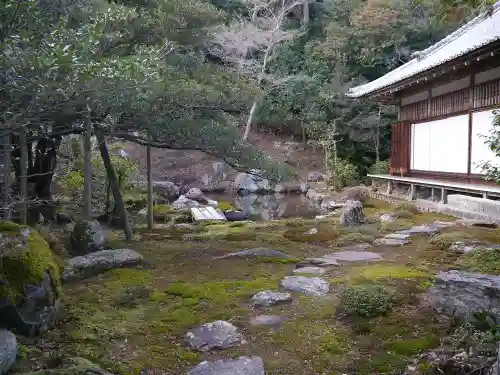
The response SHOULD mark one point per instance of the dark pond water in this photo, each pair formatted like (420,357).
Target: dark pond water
(271,206)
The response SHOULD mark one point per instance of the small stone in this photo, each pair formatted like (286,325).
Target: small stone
(385,218)
(268,298)
(257,252)
(311,286)
(312,231)
(240,366)
(421,229)
(216,335)
(315,176)
(98,262)
(184,203)
(310,270)
(267,320)
(390,242)
(396,236)
(196,194)
(8,351)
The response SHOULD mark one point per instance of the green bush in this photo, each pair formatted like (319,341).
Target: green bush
(381,167)
(481,260)
(342,173)
(445,240)
(367,300)
(407,206)
(353,238)
(398,224)
(357,193)
(225,206)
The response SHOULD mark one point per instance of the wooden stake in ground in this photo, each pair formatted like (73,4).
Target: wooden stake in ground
(7,199)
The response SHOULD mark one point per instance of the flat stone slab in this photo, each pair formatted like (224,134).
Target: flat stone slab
(310,270)
(8,351)
(462,247)
(240,366)
(216,335)
(310,286)
(273,321)
(346,256)
(98,262)
(257,252)
(397,236)
(443,224)
(421,229)
(390,242)
(463,294)
(268,298)
(477,223)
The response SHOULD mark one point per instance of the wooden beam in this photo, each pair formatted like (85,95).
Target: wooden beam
(471,107)
(23,176)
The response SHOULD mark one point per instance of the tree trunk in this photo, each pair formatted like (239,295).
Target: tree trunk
(377,137)
(249,121)
(113,182)
(87,170)
(7,199)
(23,176)
(150,188)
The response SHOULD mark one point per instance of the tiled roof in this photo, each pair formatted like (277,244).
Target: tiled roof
(479,32)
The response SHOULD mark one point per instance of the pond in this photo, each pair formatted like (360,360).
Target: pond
(271,206)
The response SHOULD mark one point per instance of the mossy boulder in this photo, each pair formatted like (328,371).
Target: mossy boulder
(87,237)
(29,280)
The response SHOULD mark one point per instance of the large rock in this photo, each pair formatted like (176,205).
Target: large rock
(184,203)
(166,189)
(196,194)
(310,286)
(352,214)
(98,262)
(244,182)
(215,335)
(8,351)
(29,281)
(314,196)
(263,252)
(268,298)
(87,237)
(240,366)
(315,176)
(463,294)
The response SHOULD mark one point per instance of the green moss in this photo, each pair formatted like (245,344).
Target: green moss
(9,226)
(367,300)
(387,271)
(404,214)
(407,206)
(395,225)
(481,260)
(26,264)
(278,260)
(353,238)
(222,232)
(225,206)
(445,240)
(412,346)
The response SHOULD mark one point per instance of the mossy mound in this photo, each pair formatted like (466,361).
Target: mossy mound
(481,260)
(445,240)
(25,259)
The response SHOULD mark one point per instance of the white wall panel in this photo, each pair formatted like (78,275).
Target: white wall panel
(482,124)
(441,146)
(420,134)
(449,144)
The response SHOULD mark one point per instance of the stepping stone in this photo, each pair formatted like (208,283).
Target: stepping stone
(240,366)
(268,298)
(443,224)
(323,261)
(421,229)
(310,286)
(462,247)
(100,261)
(215,335)
(8,351)
(390,242)
(345,257)
(385,218)
(273,321)
(477,223)
(312,231)
(310,270)
(396,236)
(257,252)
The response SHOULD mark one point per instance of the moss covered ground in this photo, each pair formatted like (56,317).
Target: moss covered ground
(128,320)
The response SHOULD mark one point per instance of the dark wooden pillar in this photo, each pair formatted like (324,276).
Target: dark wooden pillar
(400,148)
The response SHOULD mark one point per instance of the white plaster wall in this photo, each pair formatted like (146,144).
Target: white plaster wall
(441,145)
(482,124)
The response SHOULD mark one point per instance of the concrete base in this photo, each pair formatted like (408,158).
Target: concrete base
(482,205)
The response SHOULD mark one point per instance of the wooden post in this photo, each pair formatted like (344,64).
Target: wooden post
(485,195)
(389,187)
(444,196)
(150,188)
(412,192)
(433,194)
(87,169)
(7,199)
(23,176)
